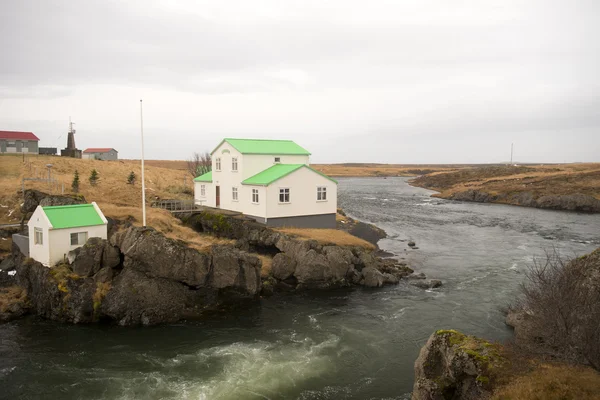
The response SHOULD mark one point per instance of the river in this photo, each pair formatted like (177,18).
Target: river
(344,344)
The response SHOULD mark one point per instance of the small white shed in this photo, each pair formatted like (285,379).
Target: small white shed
(56,230)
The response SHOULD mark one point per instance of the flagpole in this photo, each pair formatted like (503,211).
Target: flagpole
(143,180)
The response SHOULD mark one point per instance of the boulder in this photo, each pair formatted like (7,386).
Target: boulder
(424,284)
(93,256)
(13,303)
(372,277)
(411,244)
(149,251)
(33,198)
(283,267)
(235,270)
(416,276)
(452,365)
(312,269)
(136,299)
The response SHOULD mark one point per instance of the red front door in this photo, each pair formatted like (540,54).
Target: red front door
(218,194)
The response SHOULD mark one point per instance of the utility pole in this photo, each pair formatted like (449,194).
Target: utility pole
(143,181)
(511,153)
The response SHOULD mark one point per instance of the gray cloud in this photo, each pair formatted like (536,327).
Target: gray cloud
(381,81)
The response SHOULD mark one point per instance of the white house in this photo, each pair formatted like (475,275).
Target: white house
(270,181)
(56,230)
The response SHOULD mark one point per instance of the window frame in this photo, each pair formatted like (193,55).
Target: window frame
(234,163)
(282,192)
(277,160)
(321,193)
(38,236)
(218,164)
(255,192)
(235,195)
(203,190)
(79,241)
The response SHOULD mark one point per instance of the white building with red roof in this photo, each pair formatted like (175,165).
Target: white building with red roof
(101,153)
(18,142)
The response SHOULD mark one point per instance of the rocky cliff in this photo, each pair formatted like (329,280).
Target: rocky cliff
(299,263)
(139,277)
(452,365)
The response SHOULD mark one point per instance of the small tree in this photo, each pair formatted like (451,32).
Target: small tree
(94,177)
(75,183)
(131,178)
(199,164)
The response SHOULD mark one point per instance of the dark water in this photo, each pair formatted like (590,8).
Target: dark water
(347,344)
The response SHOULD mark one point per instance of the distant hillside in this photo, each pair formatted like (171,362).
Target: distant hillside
(561,186)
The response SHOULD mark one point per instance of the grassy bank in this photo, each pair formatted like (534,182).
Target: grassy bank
(511,184)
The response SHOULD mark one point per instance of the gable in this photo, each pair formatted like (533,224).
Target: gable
(73,216)
(265,147)
(276,172)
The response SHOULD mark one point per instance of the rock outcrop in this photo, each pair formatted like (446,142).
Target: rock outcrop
(452,365)
(139,277)
(570,202)
(34,198)
(301,263)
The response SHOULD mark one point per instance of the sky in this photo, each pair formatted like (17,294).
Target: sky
(421,81)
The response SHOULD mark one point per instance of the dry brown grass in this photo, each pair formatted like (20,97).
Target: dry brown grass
(373,170)
(552,382)
(163,183)
(11,295)
(328,236)
(163,221)
(267,262)
(540,180)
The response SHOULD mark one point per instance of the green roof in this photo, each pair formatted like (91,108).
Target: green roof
(73,216)
(207,177)
(276,172)
(264,146)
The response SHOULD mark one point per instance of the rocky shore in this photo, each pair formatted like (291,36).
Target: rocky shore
(140,277)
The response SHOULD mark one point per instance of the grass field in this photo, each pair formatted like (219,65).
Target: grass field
(114,195)
(382,170)
(540,180)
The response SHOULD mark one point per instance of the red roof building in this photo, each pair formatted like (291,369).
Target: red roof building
(18,142)
(98,150)
(101,153)
(13,135)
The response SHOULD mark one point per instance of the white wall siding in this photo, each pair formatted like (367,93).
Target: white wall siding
(39,252)
(60,240)
(303,185)
(209,198)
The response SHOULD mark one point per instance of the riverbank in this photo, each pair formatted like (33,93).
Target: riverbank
(569,187)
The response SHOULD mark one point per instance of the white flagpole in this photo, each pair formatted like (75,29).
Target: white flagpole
(143,180)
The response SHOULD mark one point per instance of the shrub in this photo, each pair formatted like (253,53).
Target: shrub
(131,178)
(75,183)
(561,299)
(94,177)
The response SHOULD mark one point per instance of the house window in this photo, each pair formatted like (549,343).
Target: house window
(218,164)
(234,194)
(78,238)
(203,190)
(277,160)
(284,195)
(255,196)
(39,236)
(234,164)
(321,193)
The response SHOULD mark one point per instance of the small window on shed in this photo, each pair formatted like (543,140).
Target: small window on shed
(277,160)
(39,236)
(78,238)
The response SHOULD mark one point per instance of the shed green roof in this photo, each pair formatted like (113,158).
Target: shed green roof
(276,172)
(73,216)
(265,146)
(207,177)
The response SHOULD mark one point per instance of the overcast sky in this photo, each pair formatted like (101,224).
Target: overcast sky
(421,81)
